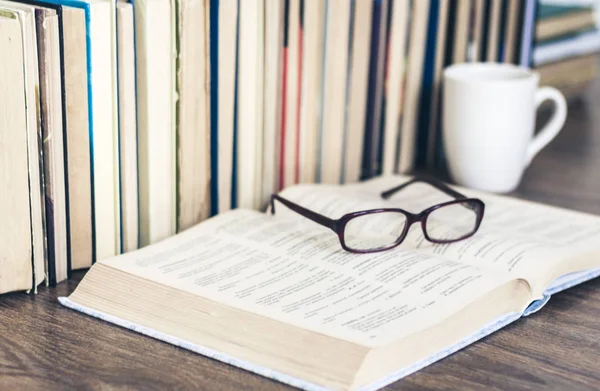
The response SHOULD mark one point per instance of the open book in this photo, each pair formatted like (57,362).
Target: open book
(277,295)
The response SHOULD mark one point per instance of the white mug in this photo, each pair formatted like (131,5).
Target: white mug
(489,120)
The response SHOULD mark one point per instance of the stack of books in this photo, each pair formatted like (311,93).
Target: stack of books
(123,123)
(567,44)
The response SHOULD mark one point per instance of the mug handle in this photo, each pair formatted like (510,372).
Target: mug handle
(554,125)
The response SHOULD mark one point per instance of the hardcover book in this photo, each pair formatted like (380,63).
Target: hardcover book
(277,295)
(79,178)
(26,17)
(103,122)
(155,54)
(335,80)
(16,253)
(127,127)
(358,77)
(223,63)
(193,112)
(47,26)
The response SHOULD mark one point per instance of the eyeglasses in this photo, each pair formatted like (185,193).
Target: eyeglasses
(375,230)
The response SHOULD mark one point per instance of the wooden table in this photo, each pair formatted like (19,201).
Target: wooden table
(45,346)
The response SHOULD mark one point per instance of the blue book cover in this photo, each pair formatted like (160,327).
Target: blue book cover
(439,161)
(214,106)
(234,184)
(528,34)
(427,83)
(371,143)
(502,30)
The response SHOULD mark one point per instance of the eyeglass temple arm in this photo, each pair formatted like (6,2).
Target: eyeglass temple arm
(309,214)
(437,184)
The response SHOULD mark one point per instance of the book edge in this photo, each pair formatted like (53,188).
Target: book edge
(204,351)
(486,330)
(578,278)
(560,284)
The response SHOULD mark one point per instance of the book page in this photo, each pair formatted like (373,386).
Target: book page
(519,237)
(279,269)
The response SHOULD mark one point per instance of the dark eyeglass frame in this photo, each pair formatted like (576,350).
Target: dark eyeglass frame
(339,225)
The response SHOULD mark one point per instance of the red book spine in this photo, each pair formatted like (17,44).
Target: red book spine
(284,94)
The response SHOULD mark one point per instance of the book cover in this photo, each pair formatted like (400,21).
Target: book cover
(519,31)
(235,160)
(358,74)
(439,155)
(397,29)
(299,88)
(16,252)
(434,120)
(250,103)
(334,90)
(485,30)
(321,102)
(214,105)
(351,36)
(511,30)
(416,54)
(292,63)
(476,38)
(52,121)
(547,11)
(284,93)
(155,51)
(578,45)
(77,135)
(127,127)
(493,36)
(103,128)
(502,26)
(426,111)
(24,14)
(370,156)
(223,43)
(462,16)
(313,44)
(191,127)
(68,114)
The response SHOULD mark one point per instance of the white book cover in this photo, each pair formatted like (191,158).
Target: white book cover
(579,45)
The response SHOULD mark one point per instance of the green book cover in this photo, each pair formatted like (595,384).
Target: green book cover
(547,11)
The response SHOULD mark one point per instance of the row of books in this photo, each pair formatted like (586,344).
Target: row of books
(567,43)
(134,121)
(69,149)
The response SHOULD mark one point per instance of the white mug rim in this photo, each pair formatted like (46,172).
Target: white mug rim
(489,73)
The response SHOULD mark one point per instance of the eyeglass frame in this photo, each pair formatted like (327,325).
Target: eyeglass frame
(339,225)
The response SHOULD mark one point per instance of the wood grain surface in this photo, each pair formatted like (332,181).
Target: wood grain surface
(45,346)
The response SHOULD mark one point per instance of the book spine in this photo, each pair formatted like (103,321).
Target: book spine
(234,171)
(427,90)
(299,99)
(214,105)
(282,138)
(371,144)
(527,35)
